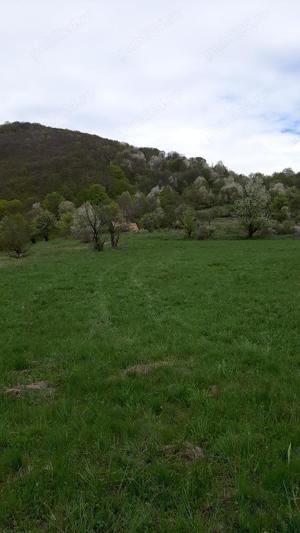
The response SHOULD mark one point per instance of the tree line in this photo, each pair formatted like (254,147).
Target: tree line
(255,202)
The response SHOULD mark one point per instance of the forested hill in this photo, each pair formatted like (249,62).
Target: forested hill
(36,160)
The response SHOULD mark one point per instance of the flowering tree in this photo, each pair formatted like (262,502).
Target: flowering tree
(252,208)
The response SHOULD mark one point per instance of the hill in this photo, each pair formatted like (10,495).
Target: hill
(35,160)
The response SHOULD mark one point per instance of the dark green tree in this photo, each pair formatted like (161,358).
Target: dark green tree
(169,200)
(52,201)
(96,194)
(14,235)
(117,181)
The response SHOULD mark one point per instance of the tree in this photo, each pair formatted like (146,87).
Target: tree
(117,181)
(88,222)
(96,194)
(64,224)
(295,202)
(10,207)
(112,218)
(169,200)
(280,208)
(199,195)
(66,207)
(230,191)
(126,204)
(45,223)
(52,201)
(96,215)
(189,222)
(140,205)
(14,235)
(252,208)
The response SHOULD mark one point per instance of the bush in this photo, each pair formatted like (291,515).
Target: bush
(204,232)
(64,224)
(284,228)
(296,231)
(153,220)
(189,222)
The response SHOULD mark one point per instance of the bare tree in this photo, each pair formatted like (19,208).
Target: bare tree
(93,218)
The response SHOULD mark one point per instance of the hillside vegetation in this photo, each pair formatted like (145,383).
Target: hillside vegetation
(47,172)
(36,160)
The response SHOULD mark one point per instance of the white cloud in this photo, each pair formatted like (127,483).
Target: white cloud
(214,79)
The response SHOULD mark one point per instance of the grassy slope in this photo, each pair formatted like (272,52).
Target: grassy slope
(92,457)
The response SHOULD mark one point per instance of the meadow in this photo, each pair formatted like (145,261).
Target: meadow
(151,388)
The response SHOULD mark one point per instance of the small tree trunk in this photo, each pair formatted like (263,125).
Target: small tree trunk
(98,244)
(114,236)
(114,240)
(251,231)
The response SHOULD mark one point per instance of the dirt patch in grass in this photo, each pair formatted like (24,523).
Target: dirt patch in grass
(19,390)
(186,452)
(144,368)
(213,390)
(228,494)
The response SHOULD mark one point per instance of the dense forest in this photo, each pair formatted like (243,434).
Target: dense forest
(36,160)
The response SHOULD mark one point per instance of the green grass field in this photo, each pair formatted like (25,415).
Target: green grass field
(170,394)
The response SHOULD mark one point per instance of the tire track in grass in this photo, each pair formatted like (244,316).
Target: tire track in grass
(149,297)
(153,298)
(101,313)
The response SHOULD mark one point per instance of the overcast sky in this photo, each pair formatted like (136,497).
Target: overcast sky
(210,78)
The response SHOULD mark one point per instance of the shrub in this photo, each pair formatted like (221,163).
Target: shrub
(64,224)
(147,222)
(284,228)
(204,231)
(189,222)
(153,220)
(296,231)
